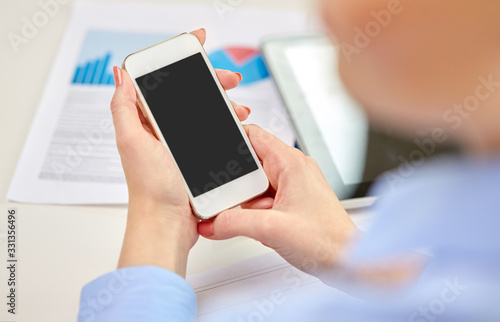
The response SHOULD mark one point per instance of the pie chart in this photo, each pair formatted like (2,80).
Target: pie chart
(244,60)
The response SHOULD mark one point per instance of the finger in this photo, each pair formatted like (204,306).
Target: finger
(126,120)
(259,203)
(256,224)
(274,154)
(201,34)
(241,111)
(265,144)
(228,79)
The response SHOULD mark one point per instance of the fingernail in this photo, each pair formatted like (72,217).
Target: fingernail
(248,109)
(206,228)
(117,73)
(240,76)
(201,29)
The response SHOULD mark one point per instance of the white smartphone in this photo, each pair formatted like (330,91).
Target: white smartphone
(180,95)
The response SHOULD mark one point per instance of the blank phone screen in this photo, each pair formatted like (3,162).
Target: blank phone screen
(196,123)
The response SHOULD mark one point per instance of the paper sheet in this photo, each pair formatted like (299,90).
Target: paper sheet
(262,288)
(70,155)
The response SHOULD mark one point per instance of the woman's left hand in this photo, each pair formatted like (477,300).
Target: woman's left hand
(161,228)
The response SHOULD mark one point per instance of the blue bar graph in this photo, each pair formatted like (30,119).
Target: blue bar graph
(94,72)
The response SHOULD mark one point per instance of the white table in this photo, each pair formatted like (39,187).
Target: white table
(63,247)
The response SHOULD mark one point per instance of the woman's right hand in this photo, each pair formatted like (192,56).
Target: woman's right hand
(300,217)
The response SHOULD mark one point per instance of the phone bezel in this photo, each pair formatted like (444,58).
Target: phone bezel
(228,195)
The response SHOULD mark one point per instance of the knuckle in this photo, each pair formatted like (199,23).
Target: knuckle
(289,160)
(278,159)
(311,161)
(126,142)
(116,99)
(299,158)
(253,129)
(115,105)
(124,147)
(298,152)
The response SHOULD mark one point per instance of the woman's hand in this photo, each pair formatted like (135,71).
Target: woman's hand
(300,217)
(160,226)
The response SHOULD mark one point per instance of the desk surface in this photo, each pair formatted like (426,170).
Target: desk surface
(63,247)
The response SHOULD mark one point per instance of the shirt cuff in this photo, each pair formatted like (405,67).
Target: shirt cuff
(140,293)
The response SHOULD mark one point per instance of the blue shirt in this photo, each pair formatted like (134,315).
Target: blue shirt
(448,209)
(142,293)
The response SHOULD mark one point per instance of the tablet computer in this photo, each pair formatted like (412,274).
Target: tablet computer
(330,126)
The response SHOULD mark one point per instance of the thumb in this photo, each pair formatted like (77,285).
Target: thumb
(253,223)
(123,106)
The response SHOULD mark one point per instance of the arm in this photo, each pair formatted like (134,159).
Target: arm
(161,228)
(140,293)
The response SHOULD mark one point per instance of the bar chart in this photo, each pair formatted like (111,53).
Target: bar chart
(103,49)
(97,72)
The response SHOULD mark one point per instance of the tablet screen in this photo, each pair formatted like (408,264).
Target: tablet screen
(341,123)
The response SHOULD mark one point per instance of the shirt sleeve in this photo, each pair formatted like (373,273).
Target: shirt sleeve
(142,293)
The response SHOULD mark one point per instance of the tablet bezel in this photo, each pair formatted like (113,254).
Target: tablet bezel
(309,137)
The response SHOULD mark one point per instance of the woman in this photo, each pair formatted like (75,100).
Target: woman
(432,250)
